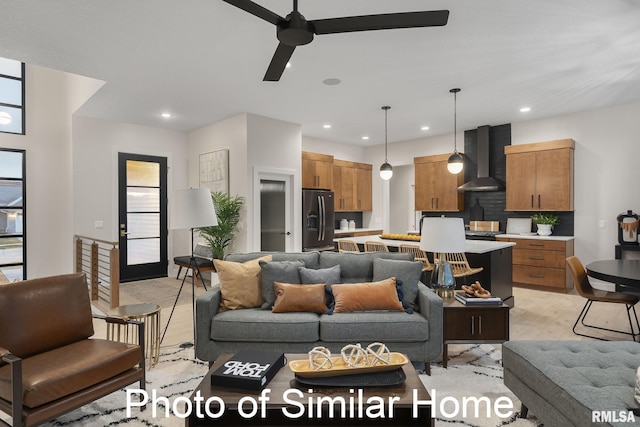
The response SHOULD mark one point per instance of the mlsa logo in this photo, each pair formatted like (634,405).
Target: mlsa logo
(249,369)
(612,417)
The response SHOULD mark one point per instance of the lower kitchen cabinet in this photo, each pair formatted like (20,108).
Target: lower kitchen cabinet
(540,262)
(464,324)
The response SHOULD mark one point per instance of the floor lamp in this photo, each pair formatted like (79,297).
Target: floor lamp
(442,235)
(191,208)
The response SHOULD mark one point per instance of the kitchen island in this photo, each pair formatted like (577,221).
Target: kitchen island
(494,257)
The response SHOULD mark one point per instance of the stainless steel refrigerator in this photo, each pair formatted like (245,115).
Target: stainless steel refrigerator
(318,221)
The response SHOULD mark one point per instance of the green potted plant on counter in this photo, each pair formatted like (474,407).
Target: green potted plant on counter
(545,222)
(220,236)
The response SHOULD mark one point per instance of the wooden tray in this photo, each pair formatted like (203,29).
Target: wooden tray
(302,369)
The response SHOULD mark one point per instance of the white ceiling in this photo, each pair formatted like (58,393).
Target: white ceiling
(204,60)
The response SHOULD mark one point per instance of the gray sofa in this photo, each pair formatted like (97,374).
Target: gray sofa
(417,334)
(562,382)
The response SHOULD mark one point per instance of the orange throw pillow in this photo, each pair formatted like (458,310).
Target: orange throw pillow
(240,285)
(367,296)
(299,298)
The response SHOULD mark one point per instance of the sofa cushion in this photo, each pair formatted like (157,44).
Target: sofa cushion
(310,259)
(277,271)
(581,375)
(328,276)
(383,326)
(240,285)
(409,272)
(257,325)
(299,298)
(366,296)
(358,267)
(60,372)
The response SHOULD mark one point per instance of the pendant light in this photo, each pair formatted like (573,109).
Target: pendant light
(455,162)
(386,171)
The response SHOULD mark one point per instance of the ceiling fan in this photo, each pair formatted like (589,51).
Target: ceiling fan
(295,30)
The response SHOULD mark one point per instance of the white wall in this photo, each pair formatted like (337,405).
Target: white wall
(255,143)
(230,134)
(96,144)
(273,146)
(606,170)
(350,153)
(51,98)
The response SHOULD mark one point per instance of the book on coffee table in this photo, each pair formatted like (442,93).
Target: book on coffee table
(467,300)
(248,370)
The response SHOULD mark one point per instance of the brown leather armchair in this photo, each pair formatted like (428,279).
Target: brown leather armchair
(49,365)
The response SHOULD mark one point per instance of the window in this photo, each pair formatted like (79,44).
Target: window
(12,117)
(12,215)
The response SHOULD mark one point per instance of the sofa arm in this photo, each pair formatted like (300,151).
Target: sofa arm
(17,389)
(207,306)
(431,309)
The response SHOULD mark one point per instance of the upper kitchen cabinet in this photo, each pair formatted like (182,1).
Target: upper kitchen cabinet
(436,189)
(317,170)
(540,176)
(352,186)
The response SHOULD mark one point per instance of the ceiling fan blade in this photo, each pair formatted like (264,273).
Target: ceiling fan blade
(278,62)
(386,21)
(257,10)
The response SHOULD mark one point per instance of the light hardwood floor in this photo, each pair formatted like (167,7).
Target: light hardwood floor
(537,315)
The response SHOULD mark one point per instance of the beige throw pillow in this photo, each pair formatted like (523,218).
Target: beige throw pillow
(240,285)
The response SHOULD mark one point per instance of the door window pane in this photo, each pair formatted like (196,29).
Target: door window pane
(11,274)
(143,225)
(144,174)
(10,164)
(10,193)
(10,250)
(12,214)
(11,91)
(143,199)
(9,67)
(10,119)
(143,251)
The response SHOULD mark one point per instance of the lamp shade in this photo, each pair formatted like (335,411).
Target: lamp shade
(443,235)
(192,208)
(386,171)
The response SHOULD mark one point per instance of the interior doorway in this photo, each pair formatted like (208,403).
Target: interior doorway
(142,213)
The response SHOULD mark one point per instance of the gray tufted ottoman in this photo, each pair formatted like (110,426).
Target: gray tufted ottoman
(562,382)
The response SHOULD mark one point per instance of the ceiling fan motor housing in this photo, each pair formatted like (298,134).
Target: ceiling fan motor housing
(296,30)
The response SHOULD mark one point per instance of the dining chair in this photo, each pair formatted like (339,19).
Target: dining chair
(373,246)
(347,246)
(418,255)
(585,290)
(459,264)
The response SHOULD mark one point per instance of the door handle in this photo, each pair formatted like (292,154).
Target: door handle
(124,233)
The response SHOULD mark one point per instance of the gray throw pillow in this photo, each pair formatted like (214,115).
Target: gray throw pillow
(328,276)
(409,272)
(277,271)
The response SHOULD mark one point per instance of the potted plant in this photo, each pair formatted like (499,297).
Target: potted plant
(220,236)
(545,222)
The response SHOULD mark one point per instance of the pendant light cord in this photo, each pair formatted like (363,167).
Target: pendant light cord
(386,109)
(455,121)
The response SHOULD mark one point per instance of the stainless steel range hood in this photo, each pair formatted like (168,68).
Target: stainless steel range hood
(483,182)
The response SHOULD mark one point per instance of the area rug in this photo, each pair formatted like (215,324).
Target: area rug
(157,291)
(473,371)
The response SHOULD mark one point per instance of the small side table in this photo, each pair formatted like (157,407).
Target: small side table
(464,324)
(149,314)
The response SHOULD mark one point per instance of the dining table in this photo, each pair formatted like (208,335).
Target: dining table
(624,273)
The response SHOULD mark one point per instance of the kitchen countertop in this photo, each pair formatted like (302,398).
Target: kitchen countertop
(473,246)
(535,237)
(357,230)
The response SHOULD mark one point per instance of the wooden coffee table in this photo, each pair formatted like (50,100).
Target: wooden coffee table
(281,386)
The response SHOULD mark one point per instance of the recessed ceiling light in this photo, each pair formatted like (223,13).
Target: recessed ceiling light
(365,137)
(327,126)
(331,82)
(424,128)
(525,109)
(5,118)
(166,115)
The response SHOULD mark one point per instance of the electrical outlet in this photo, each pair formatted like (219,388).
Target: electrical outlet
(98,224)
(602,224)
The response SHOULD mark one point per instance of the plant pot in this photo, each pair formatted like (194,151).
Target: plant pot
(544,229)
